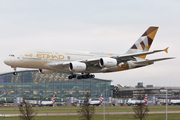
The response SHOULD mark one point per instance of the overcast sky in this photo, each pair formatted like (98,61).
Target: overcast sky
(95,25)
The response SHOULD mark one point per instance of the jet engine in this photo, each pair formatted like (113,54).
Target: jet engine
(77,67)
(107,62)
(45,71)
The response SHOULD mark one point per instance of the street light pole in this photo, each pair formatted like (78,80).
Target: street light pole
(166,99)
(104,109)
(104,101)
(166,103)
(104,104)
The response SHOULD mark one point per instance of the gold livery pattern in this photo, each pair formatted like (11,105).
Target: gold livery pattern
(39,55)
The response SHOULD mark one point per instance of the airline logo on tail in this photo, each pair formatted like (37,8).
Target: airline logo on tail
(53,99)
(101,98)
(145,99)
(143,44)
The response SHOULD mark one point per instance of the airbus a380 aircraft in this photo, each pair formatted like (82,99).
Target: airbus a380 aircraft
(49,61)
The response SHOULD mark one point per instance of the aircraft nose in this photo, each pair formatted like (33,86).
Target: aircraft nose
(6,61)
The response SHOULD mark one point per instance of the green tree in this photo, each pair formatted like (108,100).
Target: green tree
(86,111)
(26,111)
(141,108)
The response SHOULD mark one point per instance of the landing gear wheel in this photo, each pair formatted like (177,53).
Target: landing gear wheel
(92,76)
(74,76)
(88,76)
(79,77)
(84,77)
(14,73)
(70,77)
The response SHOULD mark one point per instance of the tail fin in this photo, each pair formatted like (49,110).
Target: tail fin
(145,99)
(101,98)
(53,99)
(144,42)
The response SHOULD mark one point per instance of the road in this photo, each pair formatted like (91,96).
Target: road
(98,113)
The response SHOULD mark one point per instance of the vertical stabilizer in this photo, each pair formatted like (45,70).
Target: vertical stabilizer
(101,98)
(145,99)
(144,42)
(53,101)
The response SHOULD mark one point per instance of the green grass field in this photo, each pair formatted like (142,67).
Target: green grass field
(173,116)
(100,117)
(68,109)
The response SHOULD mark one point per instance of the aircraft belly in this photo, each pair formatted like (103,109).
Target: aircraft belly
(95,104)
(93,69)
(115,69)
(31,65)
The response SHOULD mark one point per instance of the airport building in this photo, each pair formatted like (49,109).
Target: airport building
(37,86)
(152,91)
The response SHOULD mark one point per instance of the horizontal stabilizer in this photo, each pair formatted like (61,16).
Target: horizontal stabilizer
(152,61)
(166,50)
(141,53)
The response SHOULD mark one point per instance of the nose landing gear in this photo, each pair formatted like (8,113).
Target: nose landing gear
(14,73)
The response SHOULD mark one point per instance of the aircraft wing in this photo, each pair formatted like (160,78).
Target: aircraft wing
(152,60)
(126,57)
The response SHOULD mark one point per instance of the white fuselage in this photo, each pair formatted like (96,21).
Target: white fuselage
(175,102)
(40,59)
(46,103)
(134,102)
(94,102)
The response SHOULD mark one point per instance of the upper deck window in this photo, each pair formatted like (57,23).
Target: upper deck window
(11,55)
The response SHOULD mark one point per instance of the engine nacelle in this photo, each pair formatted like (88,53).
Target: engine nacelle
(77,67)
(107,62)
(45,71)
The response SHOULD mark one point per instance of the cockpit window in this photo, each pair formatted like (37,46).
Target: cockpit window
(11,55)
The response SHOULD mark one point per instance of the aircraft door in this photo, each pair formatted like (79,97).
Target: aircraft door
(21,58)
(44,58)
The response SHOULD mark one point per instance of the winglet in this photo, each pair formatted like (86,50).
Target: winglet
(166,50)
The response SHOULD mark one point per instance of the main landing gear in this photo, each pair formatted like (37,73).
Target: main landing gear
(83,76)
(72,76)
